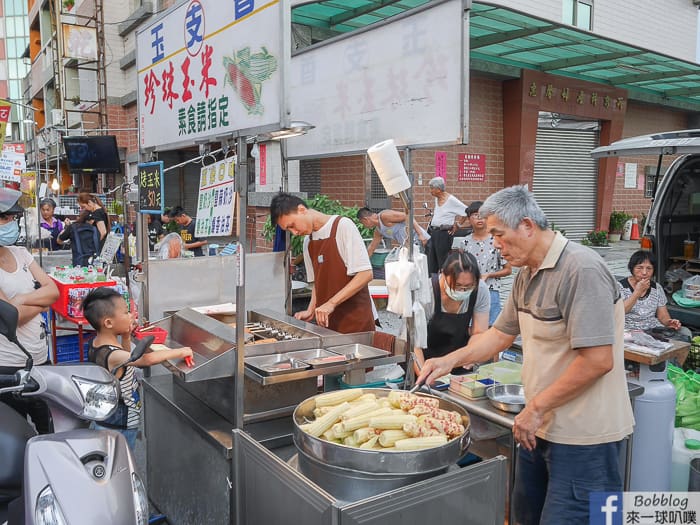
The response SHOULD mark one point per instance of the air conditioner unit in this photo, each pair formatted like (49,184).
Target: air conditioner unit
(56,117)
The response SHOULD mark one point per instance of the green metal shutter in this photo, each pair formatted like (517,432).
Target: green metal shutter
(565,181)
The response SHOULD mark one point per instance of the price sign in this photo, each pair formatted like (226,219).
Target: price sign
(150,183)
(217,199)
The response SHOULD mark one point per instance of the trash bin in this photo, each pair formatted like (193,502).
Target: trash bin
(694,484)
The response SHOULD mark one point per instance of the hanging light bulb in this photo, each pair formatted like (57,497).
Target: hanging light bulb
(54,185)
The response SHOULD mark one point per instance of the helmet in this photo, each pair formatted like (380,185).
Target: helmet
(9,202)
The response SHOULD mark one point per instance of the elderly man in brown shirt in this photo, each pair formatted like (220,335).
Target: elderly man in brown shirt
(566,306)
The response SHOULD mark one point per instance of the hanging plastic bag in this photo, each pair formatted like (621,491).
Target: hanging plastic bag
(393,255)
(421,326)
(424,288)
(399,276)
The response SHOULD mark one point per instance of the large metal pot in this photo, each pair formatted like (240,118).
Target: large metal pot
(376,461)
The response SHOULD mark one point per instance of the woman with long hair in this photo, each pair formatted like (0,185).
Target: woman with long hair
(97,213)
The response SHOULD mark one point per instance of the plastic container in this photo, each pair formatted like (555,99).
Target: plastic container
(686,447)
(159,334)
(68,349)
(654,414)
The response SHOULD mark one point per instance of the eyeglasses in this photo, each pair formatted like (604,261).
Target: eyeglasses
(8,217)
(475,215)
(642,267)
(459,288)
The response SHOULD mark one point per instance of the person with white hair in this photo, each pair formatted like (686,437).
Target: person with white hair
(567,307)
(442,224)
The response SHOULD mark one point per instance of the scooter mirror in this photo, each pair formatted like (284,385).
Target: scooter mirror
(425,205)
(140,348)
(9,319)
(136,353)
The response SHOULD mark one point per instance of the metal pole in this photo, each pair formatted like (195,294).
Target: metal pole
(288,237)
(242,183)
(407,199)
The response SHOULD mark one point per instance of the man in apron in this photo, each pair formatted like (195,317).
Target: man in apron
(336,262)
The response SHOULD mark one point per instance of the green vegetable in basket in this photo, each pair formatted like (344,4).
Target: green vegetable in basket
(695,340)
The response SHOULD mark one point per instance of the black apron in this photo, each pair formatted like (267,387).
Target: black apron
(447,332)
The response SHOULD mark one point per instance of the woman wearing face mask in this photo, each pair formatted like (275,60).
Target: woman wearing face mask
(26,286)
(462,304)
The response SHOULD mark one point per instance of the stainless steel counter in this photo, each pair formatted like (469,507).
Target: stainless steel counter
(200,470)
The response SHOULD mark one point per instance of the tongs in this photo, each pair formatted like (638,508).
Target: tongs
(419,384)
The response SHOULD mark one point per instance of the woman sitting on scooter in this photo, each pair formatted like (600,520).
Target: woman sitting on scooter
(25,285)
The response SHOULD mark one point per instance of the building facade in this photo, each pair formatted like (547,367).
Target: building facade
(554,79)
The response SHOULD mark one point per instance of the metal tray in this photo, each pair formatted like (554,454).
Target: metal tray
(358,352)
(510,398)
(276,364)
(318,357)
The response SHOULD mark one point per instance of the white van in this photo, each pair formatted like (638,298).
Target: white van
(674,215)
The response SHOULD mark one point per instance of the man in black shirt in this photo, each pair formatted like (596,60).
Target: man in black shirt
(187,233)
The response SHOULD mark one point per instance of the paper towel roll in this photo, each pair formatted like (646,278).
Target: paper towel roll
(386,160)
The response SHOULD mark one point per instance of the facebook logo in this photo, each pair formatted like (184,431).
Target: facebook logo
(606,508)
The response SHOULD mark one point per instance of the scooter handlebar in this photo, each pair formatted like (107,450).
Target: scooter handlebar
(9,380)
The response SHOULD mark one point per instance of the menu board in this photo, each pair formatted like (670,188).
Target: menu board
(217,199)
(150,184)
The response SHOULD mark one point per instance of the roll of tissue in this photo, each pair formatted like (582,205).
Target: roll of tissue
(386,160)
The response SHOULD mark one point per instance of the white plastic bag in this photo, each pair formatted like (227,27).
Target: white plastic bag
(424,290)
(399,277)
(691,288)
(421,326)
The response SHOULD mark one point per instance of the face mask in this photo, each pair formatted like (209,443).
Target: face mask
(459,296)
(9,233)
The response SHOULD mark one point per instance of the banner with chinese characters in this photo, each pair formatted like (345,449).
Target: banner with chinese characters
(208,68)
(472,167)
(5,110)
(217,199)
(12,162)
(150,187)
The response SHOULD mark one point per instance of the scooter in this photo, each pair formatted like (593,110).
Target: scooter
(74,476)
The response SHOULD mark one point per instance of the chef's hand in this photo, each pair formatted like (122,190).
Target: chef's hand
(323,313)
(526,424)
(304,315)
(433,369)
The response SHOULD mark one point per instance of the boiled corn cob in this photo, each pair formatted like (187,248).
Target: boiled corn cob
(318,412)
(419,443)
(415,429)
(367,397)
(350,441)
(350,425)
(337,431)
(326,421)
(337,397)
(388,437)
(391,421)
(370,443)
(364,434)
(361,408)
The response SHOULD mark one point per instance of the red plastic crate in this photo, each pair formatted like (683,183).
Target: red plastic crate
(159,334)
(61,304)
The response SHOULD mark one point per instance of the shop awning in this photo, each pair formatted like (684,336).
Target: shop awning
(504,36)
(504,40)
